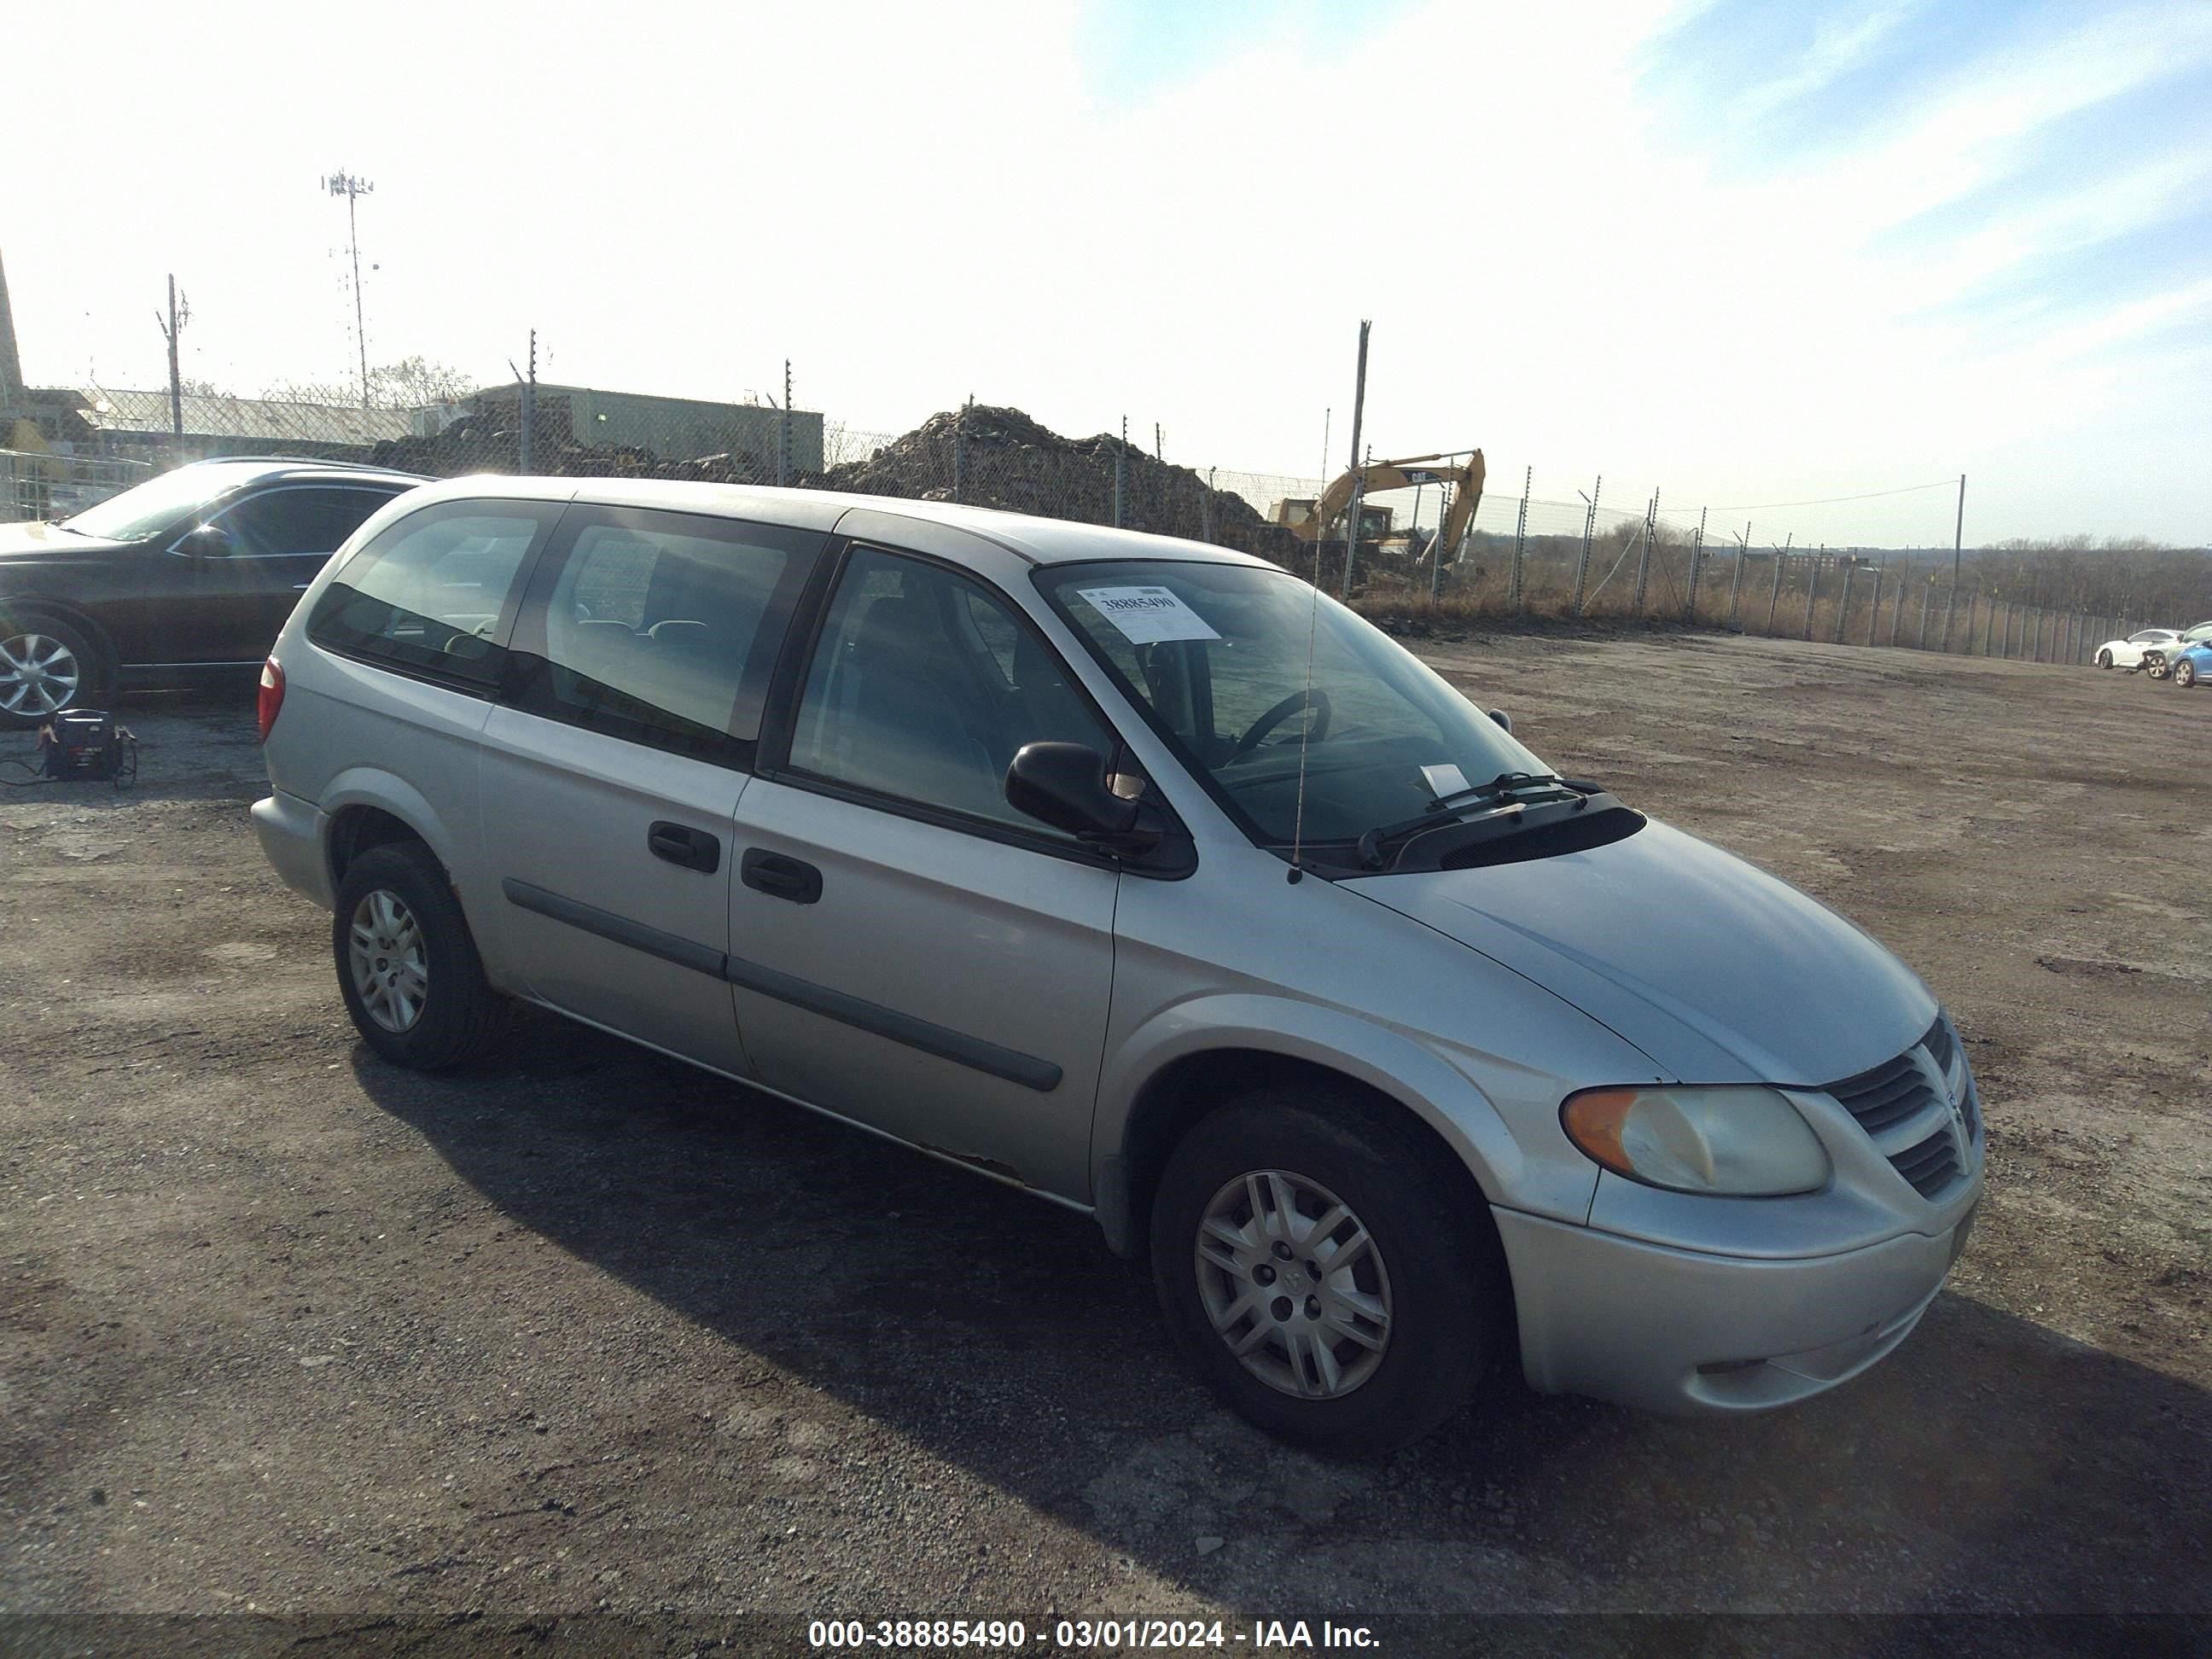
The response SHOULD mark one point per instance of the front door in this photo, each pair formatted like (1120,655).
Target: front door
(229,609)
(906,948)
(612,769)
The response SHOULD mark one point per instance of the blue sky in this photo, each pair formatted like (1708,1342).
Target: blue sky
(1734,251)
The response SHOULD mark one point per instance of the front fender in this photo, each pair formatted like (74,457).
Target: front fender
(1386,1060)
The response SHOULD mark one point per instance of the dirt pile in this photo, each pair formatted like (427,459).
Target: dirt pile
(1007,459)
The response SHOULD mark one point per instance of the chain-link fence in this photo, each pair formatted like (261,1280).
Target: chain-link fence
(1593,556)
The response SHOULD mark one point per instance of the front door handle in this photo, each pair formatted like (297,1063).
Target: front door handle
(680,844)
(779,877)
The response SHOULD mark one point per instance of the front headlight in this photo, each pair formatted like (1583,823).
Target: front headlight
(1745,1143)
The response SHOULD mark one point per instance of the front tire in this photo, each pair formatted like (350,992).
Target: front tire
(48,665)
(407,966)
(2184,674)
(1325,1276)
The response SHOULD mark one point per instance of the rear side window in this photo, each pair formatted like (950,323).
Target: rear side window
(661,628)
(431,593)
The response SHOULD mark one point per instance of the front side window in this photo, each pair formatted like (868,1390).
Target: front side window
(429,593)
(924,684)
(661,628)
(1217,655)
(296,520)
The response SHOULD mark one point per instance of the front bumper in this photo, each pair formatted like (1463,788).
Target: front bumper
(291,832)
(1679,1331)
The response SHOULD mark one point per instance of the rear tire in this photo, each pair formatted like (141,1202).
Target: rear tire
(2184,674)
(406,964)
(2103,657)
(1353,1360)
(47,665)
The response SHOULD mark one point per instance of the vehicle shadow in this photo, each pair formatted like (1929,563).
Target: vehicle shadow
(1990,1464)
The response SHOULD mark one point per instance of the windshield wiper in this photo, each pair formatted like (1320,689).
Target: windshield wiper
(1505,784)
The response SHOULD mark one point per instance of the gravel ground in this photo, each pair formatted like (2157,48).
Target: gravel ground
(284,1329)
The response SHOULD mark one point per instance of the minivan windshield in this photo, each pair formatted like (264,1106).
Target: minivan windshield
(144,509)
(1216,655)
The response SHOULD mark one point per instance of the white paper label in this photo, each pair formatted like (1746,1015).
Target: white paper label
(1147,615)
(1444,779)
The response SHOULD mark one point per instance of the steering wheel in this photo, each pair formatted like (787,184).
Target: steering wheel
(1315,699)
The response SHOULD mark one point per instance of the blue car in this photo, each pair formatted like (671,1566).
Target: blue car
(2191,663)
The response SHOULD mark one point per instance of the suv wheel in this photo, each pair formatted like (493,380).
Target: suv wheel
(1323,1275)
(407,967)
(2184,673)
(46,665)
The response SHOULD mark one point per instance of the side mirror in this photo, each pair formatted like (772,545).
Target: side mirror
(1502,718)
(1064,785)
(208,541)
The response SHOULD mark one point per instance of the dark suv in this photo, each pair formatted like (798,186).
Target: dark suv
(186,577)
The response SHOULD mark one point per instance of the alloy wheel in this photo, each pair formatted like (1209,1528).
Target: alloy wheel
(1293,1283)
(384,951)
(39,674)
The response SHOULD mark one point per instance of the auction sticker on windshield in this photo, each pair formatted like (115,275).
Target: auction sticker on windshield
(1147,615)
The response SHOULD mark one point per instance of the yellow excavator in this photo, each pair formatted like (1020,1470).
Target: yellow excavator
(1465,480)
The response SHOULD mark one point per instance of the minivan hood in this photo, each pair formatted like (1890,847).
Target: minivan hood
(1717,970)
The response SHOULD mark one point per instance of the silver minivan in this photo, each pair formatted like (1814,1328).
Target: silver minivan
(1136,873)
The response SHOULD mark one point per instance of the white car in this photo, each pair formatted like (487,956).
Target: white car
(2129,653)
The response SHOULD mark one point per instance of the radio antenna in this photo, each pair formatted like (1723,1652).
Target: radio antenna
(1313,617)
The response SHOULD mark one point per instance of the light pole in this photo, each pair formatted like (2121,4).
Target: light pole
(344,184)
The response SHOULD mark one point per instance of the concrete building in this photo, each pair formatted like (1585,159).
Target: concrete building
(671,429)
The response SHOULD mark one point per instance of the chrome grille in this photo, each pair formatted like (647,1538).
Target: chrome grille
(1885,1097)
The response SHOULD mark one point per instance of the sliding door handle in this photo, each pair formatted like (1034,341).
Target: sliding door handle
(779,877)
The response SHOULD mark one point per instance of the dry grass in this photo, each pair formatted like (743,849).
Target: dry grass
(1476,593)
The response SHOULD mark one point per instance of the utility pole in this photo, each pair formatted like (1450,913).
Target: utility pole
(180,313)
(783,432)
(1358,482)
(342,183)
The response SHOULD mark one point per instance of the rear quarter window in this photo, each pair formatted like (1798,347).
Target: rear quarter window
(434,594)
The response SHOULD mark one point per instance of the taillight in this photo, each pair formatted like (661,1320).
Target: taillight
(271,704)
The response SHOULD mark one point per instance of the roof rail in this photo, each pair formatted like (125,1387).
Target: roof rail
(307,460)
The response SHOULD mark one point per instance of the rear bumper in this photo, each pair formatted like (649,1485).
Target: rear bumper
(1677,1331)
(291,832)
